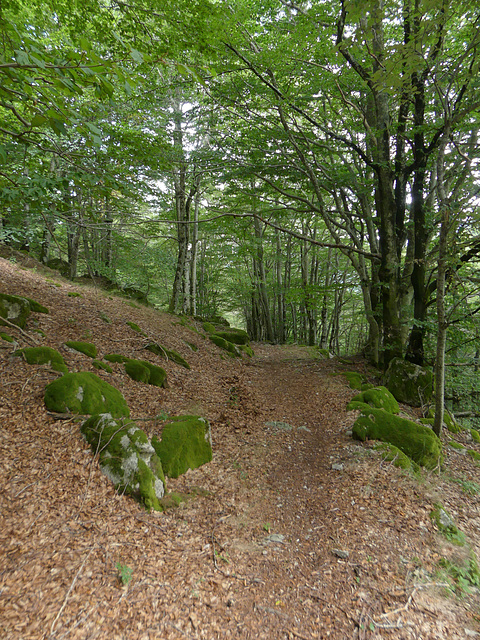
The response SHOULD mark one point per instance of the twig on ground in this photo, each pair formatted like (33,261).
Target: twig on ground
(70,590)
(24,334)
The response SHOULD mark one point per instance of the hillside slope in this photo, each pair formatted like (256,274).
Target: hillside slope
(275,542)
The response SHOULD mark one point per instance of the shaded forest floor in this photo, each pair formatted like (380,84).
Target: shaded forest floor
(296,531)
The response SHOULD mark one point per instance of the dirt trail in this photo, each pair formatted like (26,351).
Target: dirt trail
(298,532)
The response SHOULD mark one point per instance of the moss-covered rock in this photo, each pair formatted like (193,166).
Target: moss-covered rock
(209,328)
(137,371)
(115,357)
(354,379)
(168,354)
(475,455)
(14,309)
(86,394)
(449,421)
(417,441)
(59,265)
(455,445)
(186,444)
(409,383)
(237,336)
(475,435)
(393,454)
(6,337)
(36,306)
(379,397)
(87,348)
(224,344)
(136,328)
(244,348)
(144,371)
(43,355)
(98,364)
(127,458)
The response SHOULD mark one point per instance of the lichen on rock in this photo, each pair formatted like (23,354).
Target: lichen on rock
(417,441)
(186,444)
(84,393)
(127,458)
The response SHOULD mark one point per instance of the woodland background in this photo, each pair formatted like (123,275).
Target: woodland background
(308,169)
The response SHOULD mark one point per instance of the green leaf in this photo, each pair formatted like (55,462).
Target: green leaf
(136,55)
(38,120)
(3,155)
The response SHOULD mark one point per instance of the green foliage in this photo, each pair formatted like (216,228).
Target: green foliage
(465,574)
(125,573)
(445,524)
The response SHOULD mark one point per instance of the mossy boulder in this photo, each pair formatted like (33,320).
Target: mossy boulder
(136,328)
(237,336)
(226,345)
(475,435)
(354,379)
(86,394)
(86,348)
(209,328)
(98,364)
(245,348)
(59,265)
(168,354)
(379,397)
(417,441)
(186,444)
(449,421)
(14,309)
(409,382)
(43,355)
(144,371)
(127,458)
(115,357)
(393,454)
(36,306)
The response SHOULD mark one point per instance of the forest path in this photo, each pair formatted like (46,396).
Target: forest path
(297,532)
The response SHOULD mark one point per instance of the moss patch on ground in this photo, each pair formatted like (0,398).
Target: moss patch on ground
(43,355)
(6,337)
(185,444)
(379,397)
(417,441)
(86,348)
(86,394)
(127,458)
(136,328)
